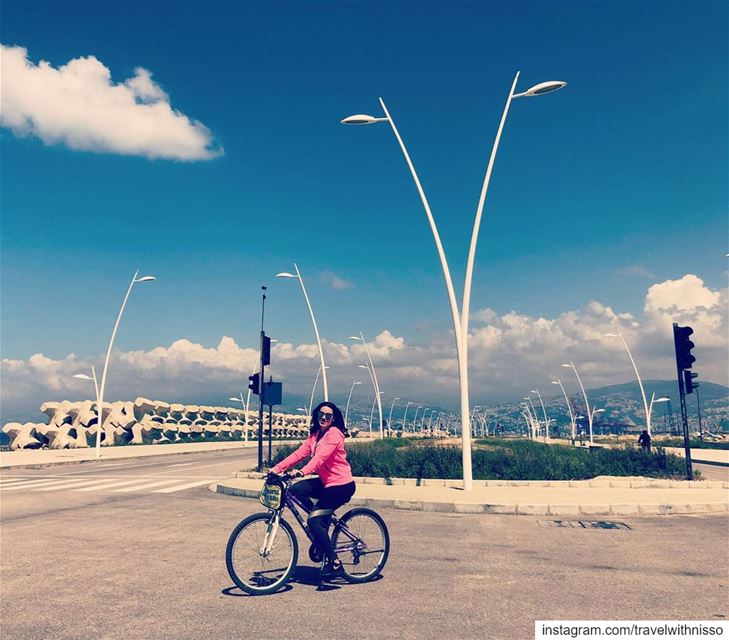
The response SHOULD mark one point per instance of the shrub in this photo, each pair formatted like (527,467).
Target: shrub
(504,460)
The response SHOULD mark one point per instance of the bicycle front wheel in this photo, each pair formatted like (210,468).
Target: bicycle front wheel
(257,564)
(362,544)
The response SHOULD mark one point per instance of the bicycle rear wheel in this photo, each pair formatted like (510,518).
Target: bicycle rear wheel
(362,544)
(252,569)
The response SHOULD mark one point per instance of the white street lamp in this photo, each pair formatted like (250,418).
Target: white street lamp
(569,406)
(649,414)
(590,415)
(245,414)
(460,319)
(422,419)
(637,375)
(376,400)
(100,402)
(389,417)
(313,389)
(544,411)
(415,418)
(534,413)
(297,275)
(405,415)
(533,422)
(346,411)
(373,376)
(92,378)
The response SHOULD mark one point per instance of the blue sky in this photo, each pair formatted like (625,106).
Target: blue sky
(599,191)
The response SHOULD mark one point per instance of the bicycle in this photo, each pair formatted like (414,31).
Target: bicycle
(260,560)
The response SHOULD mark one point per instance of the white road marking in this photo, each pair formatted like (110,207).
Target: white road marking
(144,486)
(4,481)
(184,486)
(64,484)
(30,483)
(105,484)
(181,464)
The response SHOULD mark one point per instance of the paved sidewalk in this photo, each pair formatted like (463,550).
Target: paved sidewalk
(53,457)
(607,496)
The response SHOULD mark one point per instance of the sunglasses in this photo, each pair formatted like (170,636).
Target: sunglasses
(323,415)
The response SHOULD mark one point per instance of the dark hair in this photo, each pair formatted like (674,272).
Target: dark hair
(337,422)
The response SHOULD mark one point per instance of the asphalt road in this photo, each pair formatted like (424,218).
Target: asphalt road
(145,565)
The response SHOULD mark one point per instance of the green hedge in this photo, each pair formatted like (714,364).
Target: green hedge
(504,460)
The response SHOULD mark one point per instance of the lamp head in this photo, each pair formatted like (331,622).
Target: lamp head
(144,279)
(285,274)
(555,381)
(83,376)
(234,399)
(568,365)
(355,338)
(543,88)
(361,118)
(663,399)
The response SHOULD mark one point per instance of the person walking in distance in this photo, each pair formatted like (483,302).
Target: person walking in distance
(332,486)
(644,440)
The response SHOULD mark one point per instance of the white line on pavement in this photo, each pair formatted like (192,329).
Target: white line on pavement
(184,486)
(181,464)
(105,484)
(30,483)
(145,486)
(5,481)
(62,484)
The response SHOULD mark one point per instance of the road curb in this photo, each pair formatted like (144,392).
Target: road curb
(562,509)
(627,483)
(62,463)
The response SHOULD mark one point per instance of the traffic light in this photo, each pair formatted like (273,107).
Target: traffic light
(255,383)
(688,381)
(265,350)
(683,345)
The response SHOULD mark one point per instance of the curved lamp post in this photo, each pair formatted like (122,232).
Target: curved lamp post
(405,415)
(415,418)
(245,411)
(102,386)
(313,389)
(569,407)
(346,411)
(637,375)
(544,411)
(460,319)
(654,400)
(422,419)
(92,378)
(297,275)
(389,417)
(590,415)
(534,413)
(373,375)
(533,422)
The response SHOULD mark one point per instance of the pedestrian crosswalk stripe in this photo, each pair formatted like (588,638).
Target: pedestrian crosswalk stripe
(184,486)
(146,486)
(105,484)
(64,484)
(29,484)
(7,481)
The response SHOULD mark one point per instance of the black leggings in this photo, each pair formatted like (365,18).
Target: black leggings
(327,500)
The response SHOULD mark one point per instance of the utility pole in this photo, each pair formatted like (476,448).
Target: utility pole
(684,362)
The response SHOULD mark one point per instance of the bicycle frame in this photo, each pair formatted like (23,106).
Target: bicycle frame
(357,546)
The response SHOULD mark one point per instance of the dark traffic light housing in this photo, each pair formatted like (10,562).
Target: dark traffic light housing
(255,383)
(265,350)
(684,358)
(688,381)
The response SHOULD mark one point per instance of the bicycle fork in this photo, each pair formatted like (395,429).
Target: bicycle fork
(270,537)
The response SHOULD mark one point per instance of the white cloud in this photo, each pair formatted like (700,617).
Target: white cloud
(334,281)
(509,353)
(634,271)
(78,104)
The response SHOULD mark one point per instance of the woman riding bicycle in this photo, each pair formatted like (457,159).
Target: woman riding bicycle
(334,485)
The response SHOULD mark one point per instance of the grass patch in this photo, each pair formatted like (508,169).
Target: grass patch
(504,460)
